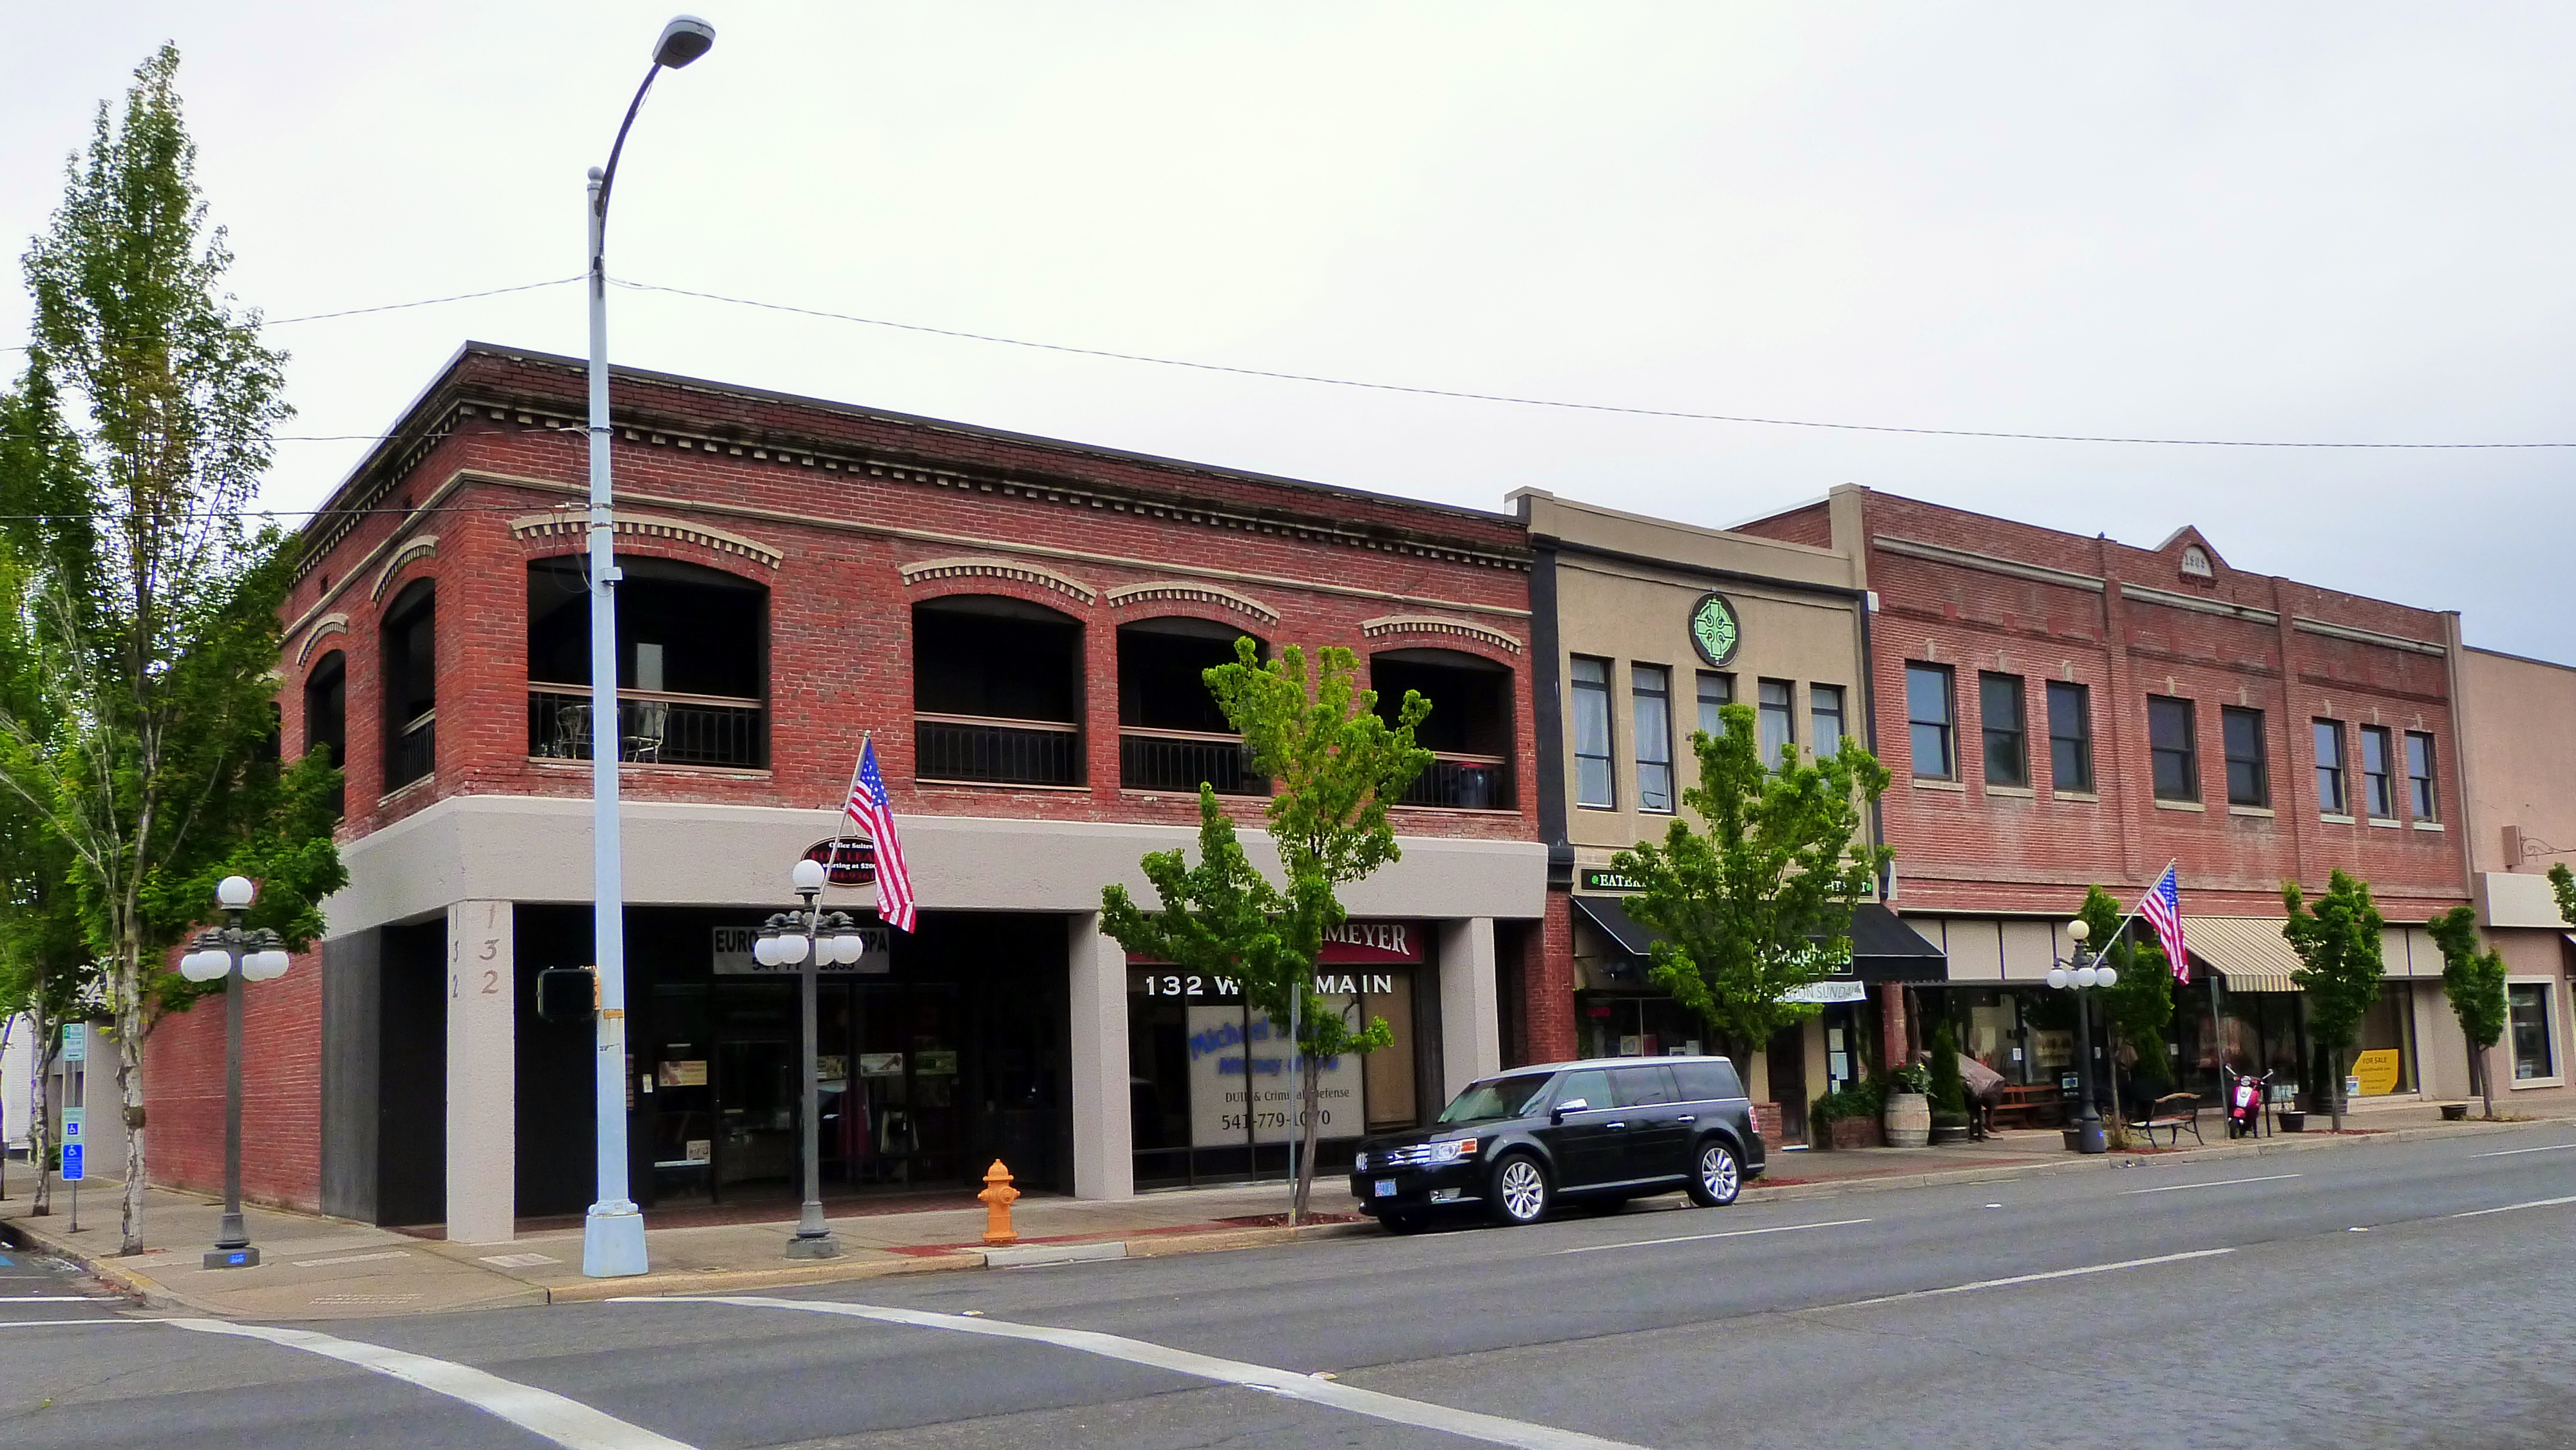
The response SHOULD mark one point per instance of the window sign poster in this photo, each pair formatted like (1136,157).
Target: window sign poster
(1243,1079)
(685,1073)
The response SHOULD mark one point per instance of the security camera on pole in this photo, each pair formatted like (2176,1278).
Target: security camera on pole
(612,1238)
(233,956)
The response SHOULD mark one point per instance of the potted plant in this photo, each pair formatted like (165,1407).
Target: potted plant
(1847,1117)
(1909,1106)
(1949,1093)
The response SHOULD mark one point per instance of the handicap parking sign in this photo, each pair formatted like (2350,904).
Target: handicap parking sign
(72,1163)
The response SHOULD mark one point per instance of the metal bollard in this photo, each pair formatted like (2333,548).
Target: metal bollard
(997,1198)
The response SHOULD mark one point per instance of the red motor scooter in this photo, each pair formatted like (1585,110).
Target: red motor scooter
(2245,1104)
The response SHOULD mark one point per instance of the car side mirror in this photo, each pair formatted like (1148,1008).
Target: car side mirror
(1570,1105)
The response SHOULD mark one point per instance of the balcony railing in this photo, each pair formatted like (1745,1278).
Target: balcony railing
(1003,752)
(653,728)
(414,751)
(1180,760)
(1463,783)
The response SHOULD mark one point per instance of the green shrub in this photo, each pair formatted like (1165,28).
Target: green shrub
(1860,1100)
(1949,1092)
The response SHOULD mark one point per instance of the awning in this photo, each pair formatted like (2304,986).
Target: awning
(1884,949)
(2249,951)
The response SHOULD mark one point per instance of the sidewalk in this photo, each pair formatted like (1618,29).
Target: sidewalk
(315,1268)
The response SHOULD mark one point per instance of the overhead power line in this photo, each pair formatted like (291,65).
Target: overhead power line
(387,307)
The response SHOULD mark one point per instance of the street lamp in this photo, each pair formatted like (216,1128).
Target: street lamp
(809,939)
(2080,974)
(233,956)
(612,1235)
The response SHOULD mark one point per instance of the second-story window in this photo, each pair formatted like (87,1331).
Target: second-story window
(1469,731)
(1929,723)
(2419,775)
(692,664)
(1716,691)
(1825,718)
(326,717)
(1594,778)
(1650,691)
(1171,735)
(2007,743)
(2249,776)
(1779,733)
(996,692)
(409,645)
(2173,750)
(2070,737)
(2378,790)
(2332,798)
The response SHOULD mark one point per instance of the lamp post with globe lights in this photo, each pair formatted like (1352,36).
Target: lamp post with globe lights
(233,955)
(2083,972)
(809,939)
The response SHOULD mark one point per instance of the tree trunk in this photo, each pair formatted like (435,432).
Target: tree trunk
(129,1082)
(2478,1068)
(40,1135)
(1307,1089)
(2334,1086)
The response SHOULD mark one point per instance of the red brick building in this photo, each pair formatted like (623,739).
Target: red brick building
(1017,621)
(2060,711)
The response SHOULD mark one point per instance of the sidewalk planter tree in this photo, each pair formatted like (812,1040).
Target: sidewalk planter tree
(2473,980)
(1755,902)
(2339,942)
(1335,766)
(1949,1091)
(148,615)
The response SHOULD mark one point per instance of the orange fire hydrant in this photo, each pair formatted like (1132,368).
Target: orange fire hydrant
(997,1198)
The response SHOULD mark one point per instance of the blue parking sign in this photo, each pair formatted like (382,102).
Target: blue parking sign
(72,1163)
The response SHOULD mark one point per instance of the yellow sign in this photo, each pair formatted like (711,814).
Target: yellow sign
(2376,1071)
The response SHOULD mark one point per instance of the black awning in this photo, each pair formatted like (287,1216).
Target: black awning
(1884,948)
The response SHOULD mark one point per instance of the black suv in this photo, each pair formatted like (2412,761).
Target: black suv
(1605,1130)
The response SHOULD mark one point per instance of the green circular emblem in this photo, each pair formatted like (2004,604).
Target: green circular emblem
(1713,628)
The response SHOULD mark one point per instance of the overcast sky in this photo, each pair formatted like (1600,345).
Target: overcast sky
(2288,221)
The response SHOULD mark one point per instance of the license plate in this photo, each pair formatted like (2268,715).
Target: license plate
(1386,1188)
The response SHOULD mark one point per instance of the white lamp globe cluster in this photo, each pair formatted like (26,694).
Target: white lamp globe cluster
(210,961)
(2088,976)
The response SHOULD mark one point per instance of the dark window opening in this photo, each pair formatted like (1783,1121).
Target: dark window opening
(692,664)
(2175,753)
(1171,734)
(2070,737)
(2249,776)
(1469,731)
(1716,692)
(2419,775)
(2007,740)
(1928,721)
(1595,779)
(326,717)
(996,691)
(2376,791)
(2331,797)
(409,648)
(1774,700)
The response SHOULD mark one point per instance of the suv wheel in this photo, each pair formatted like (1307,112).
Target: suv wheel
(1715,1177)
(1520,1193)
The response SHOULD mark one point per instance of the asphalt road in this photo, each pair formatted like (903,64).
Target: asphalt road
(2409,1294)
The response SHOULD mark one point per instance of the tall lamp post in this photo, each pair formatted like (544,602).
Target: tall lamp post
(2080,974)
(809,939)
(234,956)
(612,1235)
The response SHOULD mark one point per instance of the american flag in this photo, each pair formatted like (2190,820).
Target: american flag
(871,811)
(2163,907)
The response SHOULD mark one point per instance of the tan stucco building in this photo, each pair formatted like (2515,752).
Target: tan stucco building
(2519,759)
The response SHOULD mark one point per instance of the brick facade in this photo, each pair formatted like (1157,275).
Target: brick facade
(183,1074)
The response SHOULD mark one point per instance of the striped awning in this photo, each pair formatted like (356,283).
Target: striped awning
(2248,951)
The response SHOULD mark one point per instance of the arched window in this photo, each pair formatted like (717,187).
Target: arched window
(692,663)
(996,691)
(2195,562)
(1469,731)
(408,647)
(1171,735)
(326,717)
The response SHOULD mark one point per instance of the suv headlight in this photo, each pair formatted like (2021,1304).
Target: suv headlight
(1359,1163)
(1452,1152)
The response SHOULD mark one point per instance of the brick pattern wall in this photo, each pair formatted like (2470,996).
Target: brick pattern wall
(183,1075)
(1547,1008)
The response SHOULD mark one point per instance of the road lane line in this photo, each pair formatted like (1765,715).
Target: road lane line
(2511,1207)
(67,1323)
(53,1298)
(1729,1234)
(2024,1279)
(349,1259)
(1493,1429)
(567,1422)
(2220,1183)
(2509,1152)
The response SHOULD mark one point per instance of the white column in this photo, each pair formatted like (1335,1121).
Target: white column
(1104,1141)
(482,1084)
(1471,1032)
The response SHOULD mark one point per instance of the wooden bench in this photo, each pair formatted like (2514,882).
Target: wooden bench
(2173,1114)
(2033,1106)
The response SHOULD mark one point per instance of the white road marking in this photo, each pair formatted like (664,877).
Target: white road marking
(2220,1183)
(350,1259)
(2509,1152)
(2510,1207)
(67,1323)
(1729,1234)
(568,1423)
(52,1298)
(1287,1384)
(2026,1279)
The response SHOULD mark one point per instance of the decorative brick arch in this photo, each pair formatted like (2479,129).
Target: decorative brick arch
(1440,629)
(650,526)
(323,628)
(985,567)
(411,551)
(1185,592)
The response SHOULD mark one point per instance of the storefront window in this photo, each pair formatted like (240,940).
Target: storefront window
(2386,1062)
(2535,1056)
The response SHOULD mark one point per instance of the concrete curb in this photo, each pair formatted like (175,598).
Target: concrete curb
(148,1292)
(819,1271)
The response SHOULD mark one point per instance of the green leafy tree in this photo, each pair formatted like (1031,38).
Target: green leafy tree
(1949,1090)
(2137,1006)
(1335,764)
(2474,982)
(1756,901)
(148,618)
(2562,884)
(2339,943)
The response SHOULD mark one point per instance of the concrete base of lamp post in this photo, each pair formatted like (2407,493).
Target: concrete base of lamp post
(826,1247)
(241,1258)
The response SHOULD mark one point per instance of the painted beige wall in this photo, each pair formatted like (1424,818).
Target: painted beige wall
(2521,757)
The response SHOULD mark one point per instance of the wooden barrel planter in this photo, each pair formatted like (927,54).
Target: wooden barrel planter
(1909,1120)
(2455,1112)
